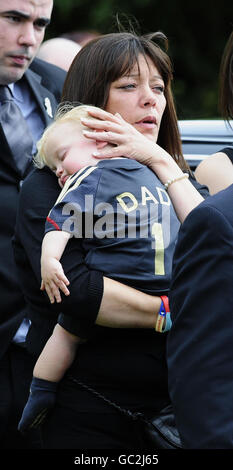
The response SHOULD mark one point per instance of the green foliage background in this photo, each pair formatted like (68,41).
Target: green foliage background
(197,32)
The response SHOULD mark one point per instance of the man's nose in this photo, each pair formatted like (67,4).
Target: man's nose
(27,35)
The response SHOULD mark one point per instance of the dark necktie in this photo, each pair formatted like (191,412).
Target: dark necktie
(16,130)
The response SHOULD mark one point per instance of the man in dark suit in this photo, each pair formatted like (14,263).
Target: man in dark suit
(36,91)
(200,344)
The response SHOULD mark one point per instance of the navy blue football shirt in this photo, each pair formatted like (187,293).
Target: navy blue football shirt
(123,217)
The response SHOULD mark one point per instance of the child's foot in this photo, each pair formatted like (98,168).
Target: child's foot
(41,399)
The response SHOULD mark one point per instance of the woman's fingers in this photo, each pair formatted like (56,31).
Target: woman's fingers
(99,126)
(106,121)
(127,141)
(111,137)
(115,152)
(103,115)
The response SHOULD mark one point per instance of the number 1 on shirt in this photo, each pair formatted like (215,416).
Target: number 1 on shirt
(157,233)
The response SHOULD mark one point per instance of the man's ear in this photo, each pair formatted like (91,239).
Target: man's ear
(100,144)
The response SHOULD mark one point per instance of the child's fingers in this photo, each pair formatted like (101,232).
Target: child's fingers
(61,277)
(61,281)
(53,292)
(62,285)
(54,283)
(49,293)
(58,276)
(64,289)
(56,292)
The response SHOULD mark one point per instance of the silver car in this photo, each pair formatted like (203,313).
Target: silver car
(201,138)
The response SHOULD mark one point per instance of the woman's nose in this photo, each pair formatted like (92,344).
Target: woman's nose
(149,98)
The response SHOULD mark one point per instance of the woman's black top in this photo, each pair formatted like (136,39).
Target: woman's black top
(229,152)
(127,365)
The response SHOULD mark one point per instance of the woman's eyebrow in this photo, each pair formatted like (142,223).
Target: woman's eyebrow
(137,74)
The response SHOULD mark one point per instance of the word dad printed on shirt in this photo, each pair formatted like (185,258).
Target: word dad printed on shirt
(127,217)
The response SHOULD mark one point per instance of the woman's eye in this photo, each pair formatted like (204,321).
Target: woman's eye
(127,87)
(159,89)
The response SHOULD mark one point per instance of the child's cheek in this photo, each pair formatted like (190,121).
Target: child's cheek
(72,165)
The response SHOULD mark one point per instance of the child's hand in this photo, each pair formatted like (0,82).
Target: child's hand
(53,279)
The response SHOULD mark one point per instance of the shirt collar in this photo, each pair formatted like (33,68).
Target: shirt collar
(16,91)
(11,86)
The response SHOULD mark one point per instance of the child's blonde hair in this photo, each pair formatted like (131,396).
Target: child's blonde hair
(65,113)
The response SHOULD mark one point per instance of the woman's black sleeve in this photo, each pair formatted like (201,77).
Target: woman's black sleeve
(203,190)
(229,152)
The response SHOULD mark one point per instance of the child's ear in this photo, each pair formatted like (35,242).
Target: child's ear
(100,144)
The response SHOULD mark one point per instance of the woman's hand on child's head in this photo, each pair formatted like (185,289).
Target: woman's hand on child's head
(127,141)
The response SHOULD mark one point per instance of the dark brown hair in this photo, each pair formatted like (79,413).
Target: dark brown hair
(226,81)
(106,58)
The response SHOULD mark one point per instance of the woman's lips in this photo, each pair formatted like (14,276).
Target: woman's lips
(148,122)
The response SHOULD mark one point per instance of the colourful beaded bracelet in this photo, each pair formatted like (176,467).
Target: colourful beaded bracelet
(164,316)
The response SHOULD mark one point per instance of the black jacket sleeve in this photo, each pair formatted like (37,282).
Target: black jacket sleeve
(38,194)
(200,352)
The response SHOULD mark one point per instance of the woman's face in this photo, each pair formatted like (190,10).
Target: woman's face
(139,98)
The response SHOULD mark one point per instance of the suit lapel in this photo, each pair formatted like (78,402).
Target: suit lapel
(47,104)
(44,98)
